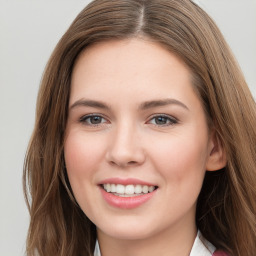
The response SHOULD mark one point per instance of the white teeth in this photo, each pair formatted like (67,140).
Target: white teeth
(145,189)
(128,189)
(113,188)
(119,189)
(107,187)
(151,189)
(138,189)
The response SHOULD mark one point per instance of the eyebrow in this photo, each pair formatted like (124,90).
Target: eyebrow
(161,103)
(89,103)
(143,106)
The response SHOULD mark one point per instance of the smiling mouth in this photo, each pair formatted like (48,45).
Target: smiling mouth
(128,190)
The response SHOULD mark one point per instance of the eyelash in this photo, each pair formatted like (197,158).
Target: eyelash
(171,120)
(87,120)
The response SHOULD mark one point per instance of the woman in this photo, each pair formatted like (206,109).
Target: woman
(144,141)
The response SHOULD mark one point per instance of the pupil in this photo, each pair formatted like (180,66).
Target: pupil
(161,120)
(95,119)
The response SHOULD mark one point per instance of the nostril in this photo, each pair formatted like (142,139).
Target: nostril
(131,162)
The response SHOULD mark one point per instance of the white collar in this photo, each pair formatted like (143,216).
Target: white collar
(200,247)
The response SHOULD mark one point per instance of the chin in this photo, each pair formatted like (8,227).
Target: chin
(128,230)
(128,234)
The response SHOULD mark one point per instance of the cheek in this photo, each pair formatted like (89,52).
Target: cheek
(181,163)
(82,158)
(82,153)
(181,160)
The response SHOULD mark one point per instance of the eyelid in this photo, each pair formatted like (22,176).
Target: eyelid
(172,119)
(83,119)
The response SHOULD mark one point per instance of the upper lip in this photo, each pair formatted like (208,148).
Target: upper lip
(126,181)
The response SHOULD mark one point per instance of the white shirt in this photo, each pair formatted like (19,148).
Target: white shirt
(201,247)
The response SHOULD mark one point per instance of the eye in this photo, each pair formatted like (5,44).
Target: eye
(92,120)
(163,120)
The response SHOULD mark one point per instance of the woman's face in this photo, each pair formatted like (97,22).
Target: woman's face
(137,143)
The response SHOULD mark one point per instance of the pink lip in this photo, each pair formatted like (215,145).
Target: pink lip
(126,202)
(129,181)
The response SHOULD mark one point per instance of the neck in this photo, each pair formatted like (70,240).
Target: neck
(172,242)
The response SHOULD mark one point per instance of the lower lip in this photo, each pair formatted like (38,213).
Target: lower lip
(126,202)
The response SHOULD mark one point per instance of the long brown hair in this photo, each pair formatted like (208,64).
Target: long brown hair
(226,209)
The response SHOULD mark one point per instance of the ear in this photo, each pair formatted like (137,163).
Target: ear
(217,158)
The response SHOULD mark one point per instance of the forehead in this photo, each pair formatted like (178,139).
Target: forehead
(128,62)
(128,51)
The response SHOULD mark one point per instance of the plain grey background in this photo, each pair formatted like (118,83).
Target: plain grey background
(29,31)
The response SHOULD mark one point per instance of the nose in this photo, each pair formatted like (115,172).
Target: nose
(125,147)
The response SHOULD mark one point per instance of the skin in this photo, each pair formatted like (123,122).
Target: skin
(128,141)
